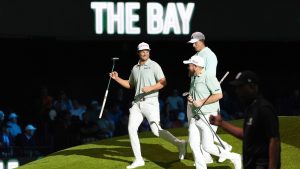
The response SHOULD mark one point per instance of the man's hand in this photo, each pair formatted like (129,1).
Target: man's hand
(198,103)
(215,120)
(147,89)
(114,75)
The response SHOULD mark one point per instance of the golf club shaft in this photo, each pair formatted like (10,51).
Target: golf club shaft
(106,92)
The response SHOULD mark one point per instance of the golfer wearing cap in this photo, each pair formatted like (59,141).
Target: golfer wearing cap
(147,78)
(260,134)
(205,93)
(210,66)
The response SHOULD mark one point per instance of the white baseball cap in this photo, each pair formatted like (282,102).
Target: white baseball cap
(196,60)
(30,127)
(196,36)
(143,46)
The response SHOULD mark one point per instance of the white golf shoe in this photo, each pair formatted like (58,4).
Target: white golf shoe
(227,148)
(236,160)
(182,150)
(136,163)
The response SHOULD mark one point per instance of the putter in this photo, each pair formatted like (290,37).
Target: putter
(106,92)
(199,110)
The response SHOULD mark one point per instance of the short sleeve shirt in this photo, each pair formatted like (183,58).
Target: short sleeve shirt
(260,125)
(144,75)
(210,60)
(202,86)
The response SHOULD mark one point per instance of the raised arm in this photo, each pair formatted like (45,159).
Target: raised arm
(125,83)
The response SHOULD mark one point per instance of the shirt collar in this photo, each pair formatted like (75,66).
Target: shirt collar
(146,63)
(204,49)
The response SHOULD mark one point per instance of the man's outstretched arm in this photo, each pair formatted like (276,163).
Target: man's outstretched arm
(122,82)
(232,129)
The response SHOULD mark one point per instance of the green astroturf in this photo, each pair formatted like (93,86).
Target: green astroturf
(116,153)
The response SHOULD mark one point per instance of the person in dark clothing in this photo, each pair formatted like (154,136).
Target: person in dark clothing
(88,129)
(260,133)
(6,142)
(26,142)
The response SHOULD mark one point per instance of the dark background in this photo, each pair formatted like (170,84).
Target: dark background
(53,44)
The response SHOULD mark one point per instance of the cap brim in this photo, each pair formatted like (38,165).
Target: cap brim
(193,40)
(187,62)
(144,49)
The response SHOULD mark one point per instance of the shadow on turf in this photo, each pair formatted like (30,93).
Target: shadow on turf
(151,152)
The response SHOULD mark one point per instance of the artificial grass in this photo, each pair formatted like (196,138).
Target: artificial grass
(116,153)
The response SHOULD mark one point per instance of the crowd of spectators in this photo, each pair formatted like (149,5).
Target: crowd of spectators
(63,122)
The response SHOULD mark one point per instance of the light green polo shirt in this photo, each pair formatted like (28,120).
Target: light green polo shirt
(202,86)
(144,75)
(210,60)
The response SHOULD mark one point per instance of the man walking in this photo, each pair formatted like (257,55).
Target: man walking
(205,93)
(210,66)
(147,78)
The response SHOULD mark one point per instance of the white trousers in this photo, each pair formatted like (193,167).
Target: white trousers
(201,134)
(206,155)
(149,109)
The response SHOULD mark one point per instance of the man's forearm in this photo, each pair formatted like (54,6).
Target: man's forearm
(213,98)
(124,83)
(234,130)
(274,148)
(159,85)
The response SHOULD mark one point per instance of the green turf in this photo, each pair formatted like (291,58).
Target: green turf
(116,153)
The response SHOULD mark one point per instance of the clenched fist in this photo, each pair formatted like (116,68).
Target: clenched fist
(114,75)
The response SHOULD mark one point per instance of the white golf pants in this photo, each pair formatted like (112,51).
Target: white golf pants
(201,134)
(149,109)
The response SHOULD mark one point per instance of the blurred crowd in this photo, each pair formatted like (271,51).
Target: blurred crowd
(63,122)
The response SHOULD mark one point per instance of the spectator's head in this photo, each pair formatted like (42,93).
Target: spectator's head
(94,105)
(181,116)
(29,130)
(13,117)
(52,114)
(2,116)
(246,85)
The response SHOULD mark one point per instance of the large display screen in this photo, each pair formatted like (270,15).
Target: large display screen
(170,20)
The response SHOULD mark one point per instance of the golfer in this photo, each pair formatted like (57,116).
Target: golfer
(260,134)
(147,78)
(210,66)
(205,93)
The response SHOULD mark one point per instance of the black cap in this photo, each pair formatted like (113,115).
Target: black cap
(245,77)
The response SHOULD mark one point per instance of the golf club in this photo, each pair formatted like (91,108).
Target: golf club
(199,110)
(106,92)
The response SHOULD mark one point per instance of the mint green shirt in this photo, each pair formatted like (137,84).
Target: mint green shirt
(202,86)
(144,75)
(210,60)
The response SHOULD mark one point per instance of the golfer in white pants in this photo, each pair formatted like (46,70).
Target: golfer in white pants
(205,92)
(147,78)
(210,65)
